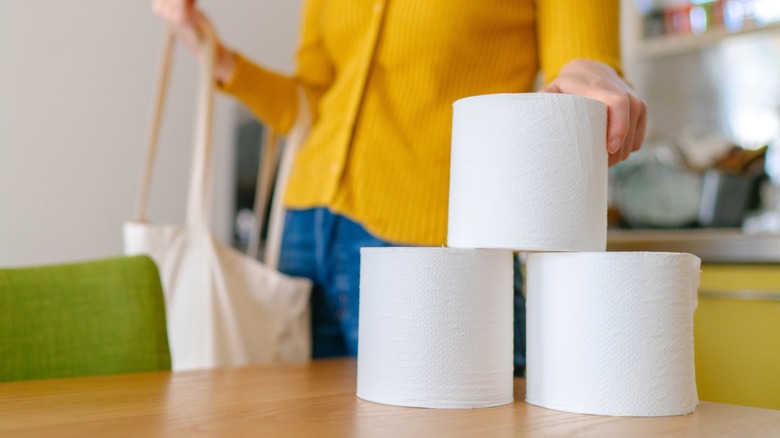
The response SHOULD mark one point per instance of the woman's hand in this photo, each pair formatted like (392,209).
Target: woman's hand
(626,112)
(182,17)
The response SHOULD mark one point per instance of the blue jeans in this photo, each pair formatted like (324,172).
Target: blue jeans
(325,247)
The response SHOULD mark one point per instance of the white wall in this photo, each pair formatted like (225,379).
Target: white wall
(76,81)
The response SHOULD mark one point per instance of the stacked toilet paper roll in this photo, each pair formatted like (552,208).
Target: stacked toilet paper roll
(435,327)
(608,333)
(528,172)
(611,333)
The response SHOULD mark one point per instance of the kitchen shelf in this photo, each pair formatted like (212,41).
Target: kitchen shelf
(673,45)
(719,245)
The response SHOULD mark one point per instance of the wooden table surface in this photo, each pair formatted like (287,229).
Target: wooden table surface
(314,400)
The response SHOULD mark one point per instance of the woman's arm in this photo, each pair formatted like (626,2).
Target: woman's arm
(580,54)
(270,95)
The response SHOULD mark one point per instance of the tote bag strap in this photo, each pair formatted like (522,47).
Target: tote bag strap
(271,165)
(199,197)
(142,199)
(201,186)
(266,169)
(295,139)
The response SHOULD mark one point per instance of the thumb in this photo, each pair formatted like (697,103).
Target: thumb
(552,87)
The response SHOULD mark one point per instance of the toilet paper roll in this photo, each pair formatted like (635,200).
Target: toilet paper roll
(435,327)
(528,172)
(611,333)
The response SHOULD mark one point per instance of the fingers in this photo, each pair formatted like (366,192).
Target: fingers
(180,16)
(176,13)
(552,87)
(618,120)
(187,23)
(636,131)
(613,159)
(635,107)
(626,112)
(641,128)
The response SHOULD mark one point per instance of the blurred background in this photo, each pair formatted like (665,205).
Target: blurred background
(76,81)
(76,85)
(710,72)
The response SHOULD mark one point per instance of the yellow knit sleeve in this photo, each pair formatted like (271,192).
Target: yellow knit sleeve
(570,29)
(315,70)
(272,96)
(269,95)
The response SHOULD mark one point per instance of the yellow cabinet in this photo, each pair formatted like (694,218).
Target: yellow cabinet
(737,334)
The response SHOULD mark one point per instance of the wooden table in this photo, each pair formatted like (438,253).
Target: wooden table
(315,400)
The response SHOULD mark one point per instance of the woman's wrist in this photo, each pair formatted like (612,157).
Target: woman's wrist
(226,64)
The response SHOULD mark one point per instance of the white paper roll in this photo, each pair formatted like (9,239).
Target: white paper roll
(612,333)
(435,327)
(528,172)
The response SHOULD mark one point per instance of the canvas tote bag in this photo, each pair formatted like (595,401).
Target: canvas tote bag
(223,307)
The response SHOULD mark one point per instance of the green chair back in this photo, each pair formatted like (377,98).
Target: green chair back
(80,319)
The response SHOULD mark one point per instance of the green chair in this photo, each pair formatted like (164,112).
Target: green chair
(90,318)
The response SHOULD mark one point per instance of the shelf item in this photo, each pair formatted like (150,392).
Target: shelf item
(672,45)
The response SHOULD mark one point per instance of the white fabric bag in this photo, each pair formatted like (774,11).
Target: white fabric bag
(223,308)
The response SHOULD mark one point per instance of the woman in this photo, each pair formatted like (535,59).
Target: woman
(380,77)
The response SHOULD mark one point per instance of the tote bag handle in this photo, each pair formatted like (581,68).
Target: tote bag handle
(295,139)
(200,188)
(199,198)
(142,198)
(267,169)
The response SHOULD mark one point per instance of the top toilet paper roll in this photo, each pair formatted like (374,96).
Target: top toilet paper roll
(529,173)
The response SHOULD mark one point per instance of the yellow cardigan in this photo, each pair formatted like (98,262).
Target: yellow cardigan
(381,76)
